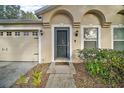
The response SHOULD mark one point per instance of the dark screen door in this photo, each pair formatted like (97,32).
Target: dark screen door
(61,43)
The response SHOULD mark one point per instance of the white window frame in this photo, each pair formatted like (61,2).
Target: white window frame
(26,33)
(1,33)
(112,33)
(10,33)
(89,26)
(35,33)
(17,33)
(52,40)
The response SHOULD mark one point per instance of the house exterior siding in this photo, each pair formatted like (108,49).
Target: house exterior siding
(77,17)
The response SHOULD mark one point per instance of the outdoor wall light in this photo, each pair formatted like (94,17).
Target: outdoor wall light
(41,32)
(76,33)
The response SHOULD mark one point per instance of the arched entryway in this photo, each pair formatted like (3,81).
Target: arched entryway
(61,23)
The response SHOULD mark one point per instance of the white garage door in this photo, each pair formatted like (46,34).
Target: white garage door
(18,46)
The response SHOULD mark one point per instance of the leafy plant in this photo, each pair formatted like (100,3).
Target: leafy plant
(22,80)
(36,78)
(106,64)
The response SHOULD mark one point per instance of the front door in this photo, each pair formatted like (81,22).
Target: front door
(62,44)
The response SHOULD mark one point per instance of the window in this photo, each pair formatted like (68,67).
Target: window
(9,33)
(118,38)
(1,33)
(26,33)
(35,33)
(17,33)
(90,37)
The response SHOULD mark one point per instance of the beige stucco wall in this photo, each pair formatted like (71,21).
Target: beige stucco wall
(60,18)
(89,19)
(106,38)
(77,11)
(70,15)
(23,49)
(46,44)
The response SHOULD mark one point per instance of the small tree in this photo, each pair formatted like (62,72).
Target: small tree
(27,15)
(9,11)
(14,12)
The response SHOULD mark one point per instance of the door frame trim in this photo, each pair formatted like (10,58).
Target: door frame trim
(52,32)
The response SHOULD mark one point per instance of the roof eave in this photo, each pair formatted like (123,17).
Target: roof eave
(10,22)
(17,23)
(45,9)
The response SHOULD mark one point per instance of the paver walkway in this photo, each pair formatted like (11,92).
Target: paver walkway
(61,76)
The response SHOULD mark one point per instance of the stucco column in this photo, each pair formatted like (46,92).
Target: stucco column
(39,45)
(106,41)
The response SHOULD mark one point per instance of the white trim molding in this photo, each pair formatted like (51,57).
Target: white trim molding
(20,28)
(39,45)
(112,33)
(52,40)
(82,34)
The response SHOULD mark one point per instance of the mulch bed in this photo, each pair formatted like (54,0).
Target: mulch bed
(43,68)
(84,80)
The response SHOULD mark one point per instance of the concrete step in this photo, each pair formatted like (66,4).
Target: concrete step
(61,69)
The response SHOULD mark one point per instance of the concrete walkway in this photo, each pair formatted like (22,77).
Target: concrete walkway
(61,76)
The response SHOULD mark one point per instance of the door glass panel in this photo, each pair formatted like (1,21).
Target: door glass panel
(62,43)
(59,37)
(61,51)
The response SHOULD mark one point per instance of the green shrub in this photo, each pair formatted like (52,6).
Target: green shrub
(106,64)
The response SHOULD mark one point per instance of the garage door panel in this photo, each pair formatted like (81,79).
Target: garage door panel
(18,48)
